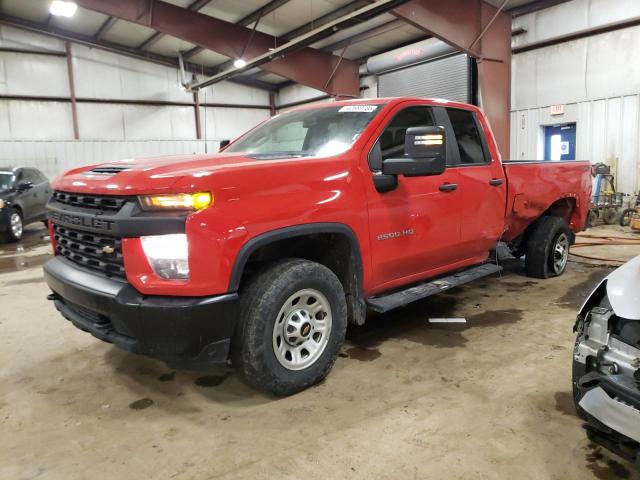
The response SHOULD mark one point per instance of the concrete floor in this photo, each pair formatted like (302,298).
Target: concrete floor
(486,400)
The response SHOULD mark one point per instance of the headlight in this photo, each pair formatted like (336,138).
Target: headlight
(1,203)
(176,201)
(168,255)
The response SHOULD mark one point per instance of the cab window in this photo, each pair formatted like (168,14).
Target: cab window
(468,137)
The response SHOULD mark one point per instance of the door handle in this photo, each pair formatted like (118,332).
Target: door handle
(448,187)
(495,182)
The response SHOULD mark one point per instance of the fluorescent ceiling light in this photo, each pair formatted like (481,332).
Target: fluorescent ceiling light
(239,63)
(61,8)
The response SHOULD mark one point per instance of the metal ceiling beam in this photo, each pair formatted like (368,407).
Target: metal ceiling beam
(112,47)
(245,21)
(367,34)
(305,65)
(155,37)
(324,19)
(293,47)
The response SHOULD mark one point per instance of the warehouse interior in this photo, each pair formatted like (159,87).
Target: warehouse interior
(90,82)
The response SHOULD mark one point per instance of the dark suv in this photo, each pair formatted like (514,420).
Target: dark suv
(24,192)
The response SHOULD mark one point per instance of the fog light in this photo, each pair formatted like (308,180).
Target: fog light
(168,255)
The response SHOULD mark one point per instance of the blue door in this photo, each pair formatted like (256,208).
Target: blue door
(560,142)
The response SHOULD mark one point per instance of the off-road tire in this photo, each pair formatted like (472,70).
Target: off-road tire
(260,303)
(541,242)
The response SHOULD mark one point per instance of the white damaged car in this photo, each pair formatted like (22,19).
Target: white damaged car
(606,362)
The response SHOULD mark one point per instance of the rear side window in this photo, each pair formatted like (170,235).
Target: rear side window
(467,136)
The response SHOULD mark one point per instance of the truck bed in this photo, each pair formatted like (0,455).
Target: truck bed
(534,186)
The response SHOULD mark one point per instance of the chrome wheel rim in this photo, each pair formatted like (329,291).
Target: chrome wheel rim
(560,253)
(16,225)
(302,329)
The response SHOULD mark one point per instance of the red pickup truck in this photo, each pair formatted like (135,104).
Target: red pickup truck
(261,254)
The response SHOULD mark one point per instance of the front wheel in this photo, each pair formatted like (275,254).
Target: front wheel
(15,227)
(548,248)
(293,319)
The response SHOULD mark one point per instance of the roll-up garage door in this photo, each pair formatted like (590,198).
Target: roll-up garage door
(449,78)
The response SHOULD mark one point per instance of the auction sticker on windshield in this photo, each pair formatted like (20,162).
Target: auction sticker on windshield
(358,108)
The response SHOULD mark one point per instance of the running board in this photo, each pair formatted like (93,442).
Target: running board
(404,297)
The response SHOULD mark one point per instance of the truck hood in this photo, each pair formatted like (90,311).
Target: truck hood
(623,290)
(152,174)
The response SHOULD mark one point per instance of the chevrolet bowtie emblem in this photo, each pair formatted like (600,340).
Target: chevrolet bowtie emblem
(108,249)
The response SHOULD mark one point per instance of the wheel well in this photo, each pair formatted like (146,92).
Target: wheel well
(563,208)
(335,251)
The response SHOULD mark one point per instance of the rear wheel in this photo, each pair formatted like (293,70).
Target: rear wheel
(293,319)
(548,248)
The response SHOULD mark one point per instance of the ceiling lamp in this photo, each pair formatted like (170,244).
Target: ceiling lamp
(61,8)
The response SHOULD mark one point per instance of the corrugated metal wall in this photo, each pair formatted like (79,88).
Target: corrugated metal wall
(597,79)
(54,157)
(42,131)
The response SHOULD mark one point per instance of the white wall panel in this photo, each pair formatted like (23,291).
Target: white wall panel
(96,73)
(35,75)
(571,17)
(613,63)
(100,121)
(297,93)
(228,123)
(15,38)
(608,130)
(227,92)
(38,121)
(601,66)
(54,158)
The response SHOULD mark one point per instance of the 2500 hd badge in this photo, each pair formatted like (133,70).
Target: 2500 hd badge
(78,220)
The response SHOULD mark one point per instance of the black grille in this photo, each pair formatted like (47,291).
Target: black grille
(107,170)
(102,202)
(97,252)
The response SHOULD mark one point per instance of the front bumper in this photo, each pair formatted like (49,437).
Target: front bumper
(185,332)
(612,407)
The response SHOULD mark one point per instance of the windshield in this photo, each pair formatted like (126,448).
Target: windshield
(319,132)
(6,181)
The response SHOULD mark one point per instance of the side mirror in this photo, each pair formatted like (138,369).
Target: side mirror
(223,144)
(24,185)
(425,153)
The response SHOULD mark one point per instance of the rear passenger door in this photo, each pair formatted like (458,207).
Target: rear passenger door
(482,184)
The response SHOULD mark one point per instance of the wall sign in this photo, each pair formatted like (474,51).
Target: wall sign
(557,109)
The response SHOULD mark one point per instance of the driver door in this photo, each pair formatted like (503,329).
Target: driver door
(414,228)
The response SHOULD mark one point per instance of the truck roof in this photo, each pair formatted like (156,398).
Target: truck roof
(388,101)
